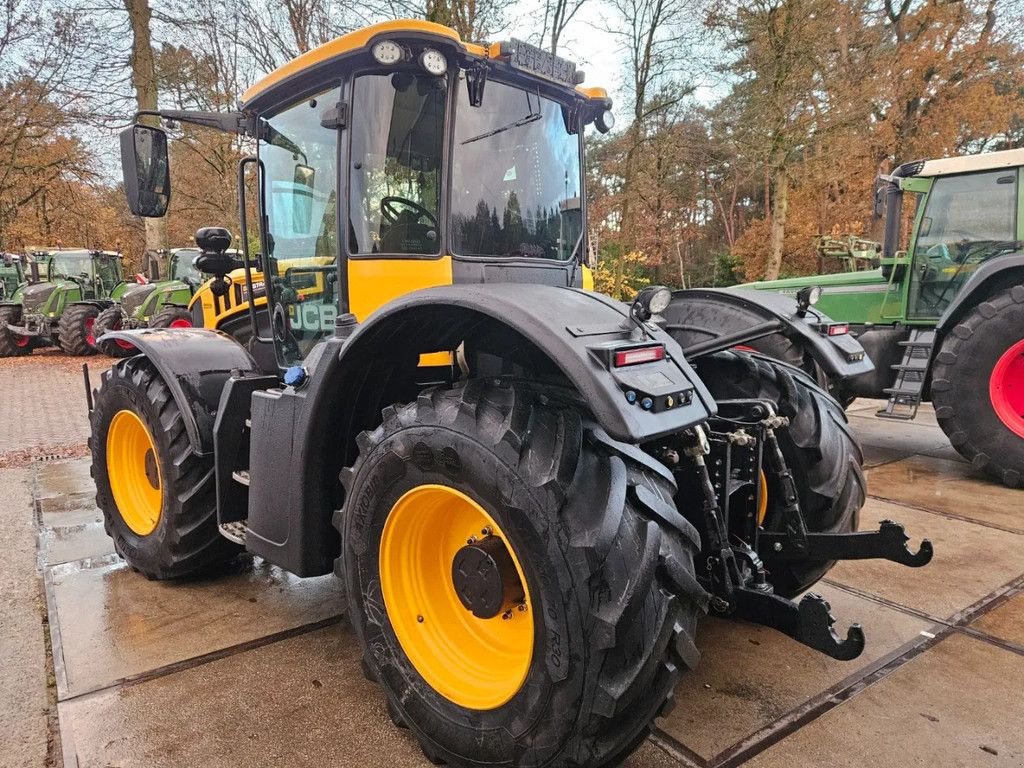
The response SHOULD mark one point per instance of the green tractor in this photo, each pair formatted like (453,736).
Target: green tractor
(12,274)
(942,315)
(62,310)
(152,303)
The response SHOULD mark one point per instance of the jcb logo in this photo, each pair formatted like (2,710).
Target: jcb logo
(312,317)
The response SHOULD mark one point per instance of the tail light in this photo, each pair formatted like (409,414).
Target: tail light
(637,355)
(838,329)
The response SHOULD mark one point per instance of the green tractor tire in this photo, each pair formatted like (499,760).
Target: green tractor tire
(76,330)
(111,319)
(818,446)
(978,386)
(172,317)
(10,344)
(570,654)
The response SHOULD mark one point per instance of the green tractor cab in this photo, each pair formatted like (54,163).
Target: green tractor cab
(942,315)
(62,310)
(12,274)
(153,302)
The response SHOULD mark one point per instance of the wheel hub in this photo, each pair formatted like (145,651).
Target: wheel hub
(485,578)
(1006,388)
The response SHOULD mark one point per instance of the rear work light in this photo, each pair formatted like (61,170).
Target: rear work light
(838,330)
(638,355)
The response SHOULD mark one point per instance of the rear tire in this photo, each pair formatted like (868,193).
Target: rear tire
(185,538)
(961,387)
(76,329)
(818,446)
(172,317)
(9,344)
(110,319)
(613,628)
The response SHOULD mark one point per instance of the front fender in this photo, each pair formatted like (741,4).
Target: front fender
(196,364)
(571,328)
(699,314)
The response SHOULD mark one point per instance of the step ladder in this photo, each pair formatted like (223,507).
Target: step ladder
(905,394)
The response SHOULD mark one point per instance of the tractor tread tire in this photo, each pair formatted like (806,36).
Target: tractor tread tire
(110,319)
(818,445)
(168,315)
(186,540)
(960,386)
(625,597)
(72,332)
(7,346)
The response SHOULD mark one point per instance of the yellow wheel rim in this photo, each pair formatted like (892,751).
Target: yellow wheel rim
(762,497)
(475,663)
(134,472)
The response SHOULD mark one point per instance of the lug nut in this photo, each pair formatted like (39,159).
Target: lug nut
(522,607)
(486,531)
(507,615)
(419,619)
(777,546)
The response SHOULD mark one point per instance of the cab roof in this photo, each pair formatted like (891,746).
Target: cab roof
(1007,158)
(311,67)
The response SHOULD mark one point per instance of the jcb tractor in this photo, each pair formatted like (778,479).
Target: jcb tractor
(529,491)
(155,302)
(942,317)
(62,309)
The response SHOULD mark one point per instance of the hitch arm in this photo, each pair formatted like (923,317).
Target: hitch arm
(809,623)
(889,542)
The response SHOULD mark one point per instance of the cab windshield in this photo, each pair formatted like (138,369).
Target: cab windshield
(181,265)
(71,264)
(516,188)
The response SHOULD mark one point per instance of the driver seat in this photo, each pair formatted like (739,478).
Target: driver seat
(406,235)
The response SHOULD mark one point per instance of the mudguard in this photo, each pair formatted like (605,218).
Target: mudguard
(572,328)
(992,276)
(196,364)
(699,314)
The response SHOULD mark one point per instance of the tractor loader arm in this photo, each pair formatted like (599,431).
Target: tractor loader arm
(708,320)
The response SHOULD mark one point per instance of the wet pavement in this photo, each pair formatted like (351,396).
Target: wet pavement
(258,667)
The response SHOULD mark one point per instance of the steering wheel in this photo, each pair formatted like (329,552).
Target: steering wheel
(390,211)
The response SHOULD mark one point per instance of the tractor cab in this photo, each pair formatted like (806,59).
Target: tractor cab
(12,274)
(97,273)
(458,163)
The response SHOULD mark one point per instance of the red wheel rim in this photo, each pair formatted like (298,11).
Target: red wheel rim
(90,337)
(180,323)
(20,341)
(121,342)
(1006,388)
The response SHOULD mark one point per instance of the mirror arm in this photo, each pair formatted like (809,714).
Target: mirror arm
(241,123)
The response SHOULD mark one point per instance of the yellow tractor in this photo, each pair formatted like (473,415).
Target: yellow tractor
(529,491)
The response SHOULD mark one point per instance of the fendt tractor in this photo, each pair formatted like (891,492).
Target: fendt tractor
(943,316)
(529,490)
(154,302)
(12,273)
(62,309)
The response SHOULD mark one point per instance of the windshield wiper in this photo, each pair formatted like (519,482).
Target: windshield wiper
(532,117)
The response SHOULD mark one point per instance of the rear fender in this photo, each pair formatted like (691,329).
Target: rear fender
(196,364)
(993,276)
(702,314)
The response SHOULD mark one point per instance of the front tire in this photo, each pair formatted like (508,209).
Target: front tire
(610,630)
(157,497)
(111,319)
(978,386)
(818,447)
(10,344)
(172,317)
(76,329)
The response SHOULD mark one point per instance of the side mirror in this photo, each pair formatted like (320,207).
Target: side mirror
(144,164)
(879,208)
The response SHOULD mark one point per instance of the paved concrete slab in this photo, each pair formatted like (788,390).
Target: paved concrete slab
(24,702)
(957,704)
(65,482)
(67,543)
(905,436)
(115,624)
(953,487)
(750,676)
(1005,622)
(875,455)
(299,702)
(970,562)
